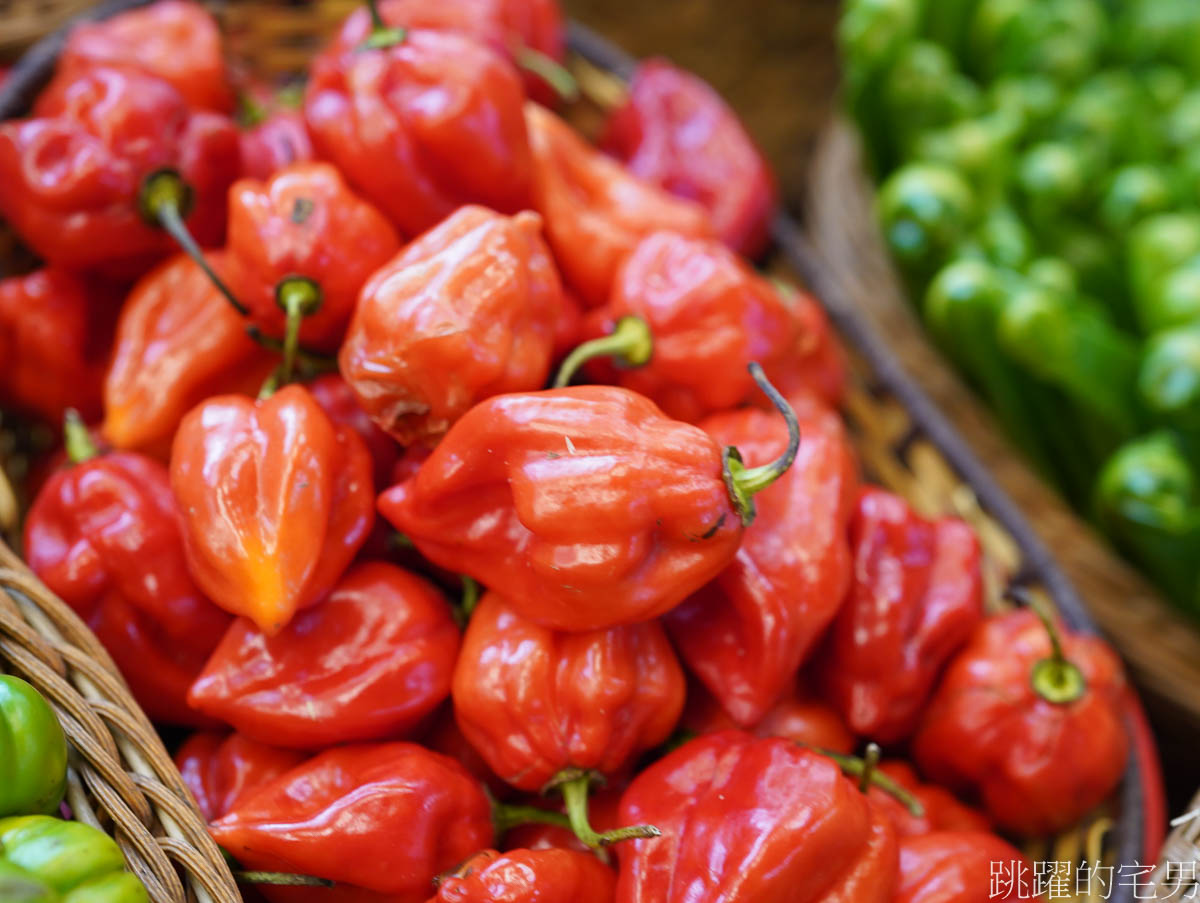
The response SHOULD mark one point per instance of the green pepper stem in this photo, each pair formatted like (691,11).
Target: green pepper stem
(744,482)
(77,439)
(299,297)
(280,879)
(381,36)
(470,597)
(310,362)
(866,769)
(630,342)
(164,200)
(573,783)
(550,70)
(1056,679)
(506,816)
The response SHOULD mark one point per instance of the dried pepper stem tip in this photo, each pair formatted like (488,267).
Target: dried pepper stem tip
(556,75)
(573,783)
(631,343)
(76,438)
(744,482)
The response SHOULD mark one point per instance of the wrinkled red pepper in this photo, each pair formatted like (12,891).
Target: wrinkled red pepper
(528,876)
(107,152)
(275,500)
(466,311)
(104,536)
(369,662)
(178,342)
(422,122)
(337,399)
(176,40)
(595,211)
(744,818)
(962,867)
(222,769)
(676,132)
(446,737)
(408,815)
(1035,727)
(585,508)
(301,245)
(55,334)
(942,811)
(276,142)
(916,596)
(685,317)
(746,633)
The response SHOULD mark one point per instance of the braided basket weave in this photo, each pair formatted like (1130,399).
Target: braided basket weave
(122,778)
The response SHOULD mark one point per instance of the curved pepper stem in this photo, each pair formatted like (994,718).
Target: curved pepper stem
(506,816)
(299,297)
(280,879)
(744,482)
(867,771)
(1056,679)
(164,200)
(309,362)
(630,342)
(381,36)
(550,70)
(573,783)
(76,438)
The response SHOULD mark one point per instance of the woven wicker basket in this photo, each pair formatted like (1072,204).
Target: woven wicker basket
(122,777)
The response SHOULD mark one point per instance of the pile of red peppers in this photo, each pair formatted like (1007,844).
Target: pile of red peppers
(484,511)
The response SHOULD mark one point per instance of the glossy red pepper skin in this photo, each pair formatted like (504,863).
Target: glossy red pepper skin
(178,342)
(709,315)
(820,362)
(747,632)
(916,595)
(383,115)
(528,876)
(70,175)
(410,814)
(958,867)
(595,211)
(507,26)
(222,769)
(535,701)
(338,400)
(275,501)
(277,142)
(796,715)
(176,40)
(304,222)
(676,132)
(55,333)
(369,662)
(104,536)
(585,508)
(942,810)
(445,736)
(744,818)
(1036,766)
(465,312)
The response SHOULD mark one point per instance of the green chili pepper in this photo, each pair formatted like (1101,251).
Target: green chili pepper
(980,148)
(1059,38)
(53,861)
(1133,193)
(926,210)
(1165,85)
(1169,378)
(1107,119)
(1159,31)
(922,91)
(1003,238)
(33,751)
(1053,274)
(1031,99)
(1174,299)
(1053,180)
(1156,247)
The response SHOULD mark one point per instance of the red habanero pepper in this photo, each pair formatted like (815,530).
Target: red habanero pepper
(274,499)
(746,633)
(916,596)
(369,662)
(684,318)
(110,159)
(177,41)
(278,141)
(546,708)
(820,362)
(1030,720)
(962,867)
(337,399)
(422,122)
(528,32)
(789,827)
(595,211)
(381,817)
(445,736)
(222,769)
(528,876)
(178,342)
(104,535)
(301,245)
(585,508)
(55,332)
(942,811)
(795,716)
(465,312)
(676,132)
